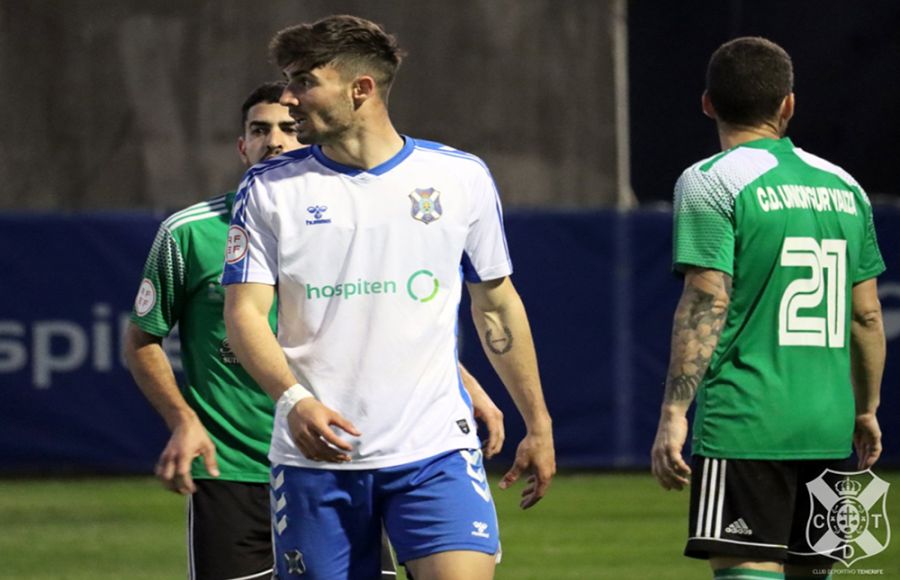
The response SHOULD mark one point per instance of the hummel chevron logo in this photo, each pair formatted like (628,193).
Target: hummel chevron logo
(476,472)
(739,527)
(277,481)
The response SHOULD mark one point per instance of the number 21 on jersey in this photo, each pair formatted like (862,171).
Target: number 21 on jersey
(827,264)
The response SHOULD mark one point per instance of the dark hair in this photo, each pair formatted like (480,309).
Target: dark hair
(747,79)
(352,45)
(265,93)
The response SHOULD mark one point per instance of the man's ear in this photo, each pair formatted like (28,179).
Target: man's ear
(363,88)
(787,108)
(242,150)
(706,104)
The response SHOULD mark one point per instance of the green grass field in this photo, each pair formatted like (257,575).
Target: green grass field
(594,526)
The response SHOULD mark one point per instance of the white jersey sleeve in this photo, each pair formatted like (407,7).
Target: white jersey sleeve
(251,252)
(486,256)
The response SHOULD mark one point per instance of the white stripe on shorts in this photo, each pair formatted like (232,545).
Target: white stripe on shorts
(712,499)
(263,574)
(192,572)
(721,501)
(702,503)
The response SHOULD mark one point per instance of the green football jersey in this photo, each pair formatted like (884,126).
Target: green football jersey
(181,285)
(795,232)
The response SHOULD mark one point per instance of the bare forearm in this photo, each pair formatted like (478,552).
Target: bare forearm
(506,337)
(153,374)
(697,326)
(867,358)
(257,349)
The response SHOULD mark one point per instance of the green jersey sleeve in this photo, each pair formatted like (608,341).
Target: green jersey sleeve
(704,222)
(160,298)
(871,263)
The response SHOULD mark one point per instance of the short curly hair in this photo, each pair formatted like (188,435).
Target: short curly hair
(747,79)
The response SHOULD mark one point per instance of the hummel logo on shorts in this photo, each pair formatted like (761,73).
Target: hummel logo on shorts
(480,528)
(739,527)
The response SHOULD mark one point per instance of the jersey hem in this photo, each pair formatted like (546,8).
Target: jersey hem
(772,455)
(874,273)
(360,465)
(149,327)
(239,477)
(251,278)
(493,273)
(680,266)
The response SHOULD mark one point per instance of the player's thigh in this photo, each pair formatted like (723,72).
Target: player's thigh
(453,565)
(440,504)
(740,509)
(324,524)
(229,530)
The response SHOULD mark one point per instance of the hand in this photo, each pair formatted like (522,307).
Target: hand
(867,440)
(492,417)
(668,465)
(535,453)
(310,424)
(189,440)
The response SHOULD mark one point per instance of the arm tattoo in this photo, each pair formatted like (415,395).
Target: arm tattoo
(698,324)
(500,345)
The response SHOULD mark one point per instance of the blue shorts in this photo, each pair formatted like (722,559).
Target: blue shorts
(327,523)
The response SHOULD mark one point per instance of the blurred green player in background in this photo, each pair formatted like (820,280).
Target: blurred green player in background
(778,331)
(221,422)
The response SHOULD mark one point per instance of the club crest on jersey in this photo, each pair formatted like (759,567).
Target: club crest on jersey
(295,564)
(848,515)
(426,205)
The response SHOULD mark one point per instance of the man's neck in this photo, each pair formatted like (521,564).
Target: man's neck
(732,136)
(366,146)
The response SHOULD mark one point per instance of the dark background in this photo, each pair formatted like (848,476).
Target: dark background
(846,63)
(132,104)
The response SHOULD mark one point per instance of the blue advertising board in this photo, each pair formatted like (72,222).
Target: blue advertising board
(598,288)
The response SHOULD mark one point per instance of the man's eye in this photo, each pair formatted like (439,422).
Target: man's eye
(258,131)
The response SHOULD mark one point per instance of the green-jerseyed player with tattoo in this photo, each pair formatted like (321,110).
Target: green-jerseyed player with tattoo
(778,331)
(221,422)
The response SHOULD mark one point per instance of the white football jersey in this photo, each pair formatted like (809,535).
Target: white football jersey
(369,267)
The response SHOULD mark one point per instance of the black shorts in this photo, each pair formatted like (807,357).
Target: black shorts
(230,533)
(755,509)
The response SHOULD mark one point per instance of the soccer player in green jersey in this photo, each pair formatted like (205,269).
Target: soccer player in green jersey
(221,422)
(778,331)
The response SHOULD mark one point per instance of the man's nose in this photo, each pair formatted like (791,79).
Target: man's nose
(288,98)
(276,139)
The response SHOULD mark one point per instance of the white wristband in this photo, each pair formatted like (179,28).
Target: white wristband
(291,397)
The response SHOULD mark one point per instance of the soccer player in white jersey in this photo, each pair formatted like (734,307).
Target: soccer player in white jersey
(220,420)
(368,235)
